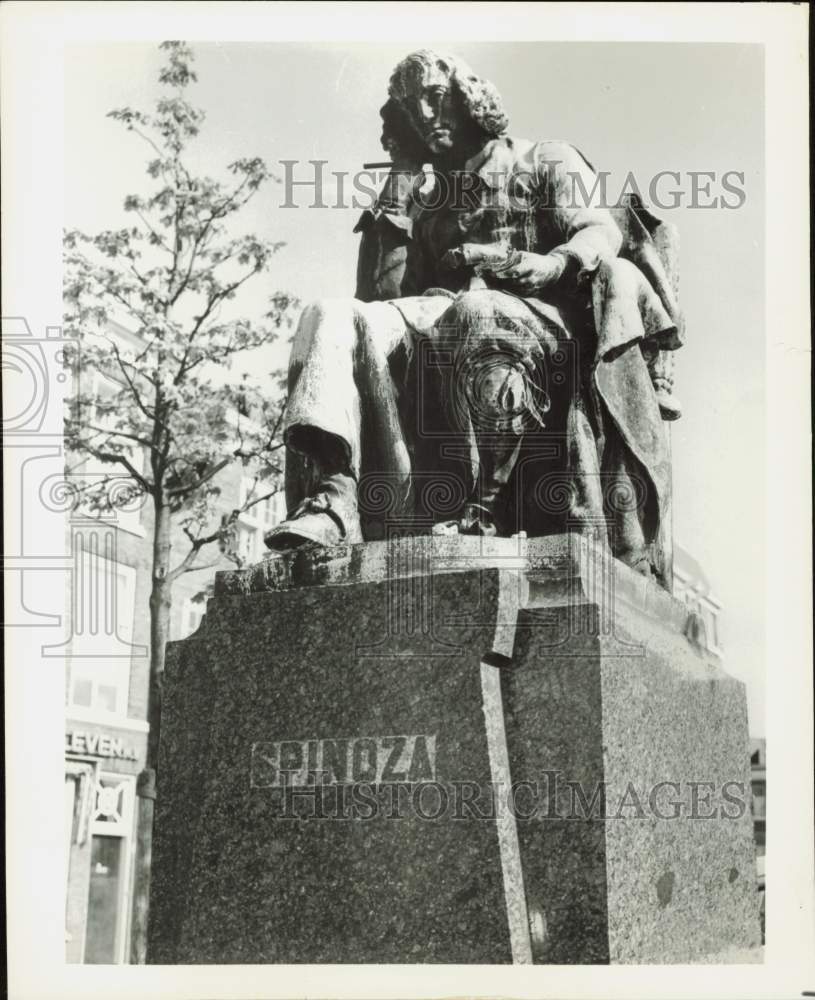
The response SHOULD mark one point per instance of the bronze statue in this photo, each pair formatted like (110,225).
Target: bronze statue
(506,349)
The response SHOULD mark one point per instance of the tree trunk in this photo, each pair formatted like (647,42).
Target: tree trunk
(160,604)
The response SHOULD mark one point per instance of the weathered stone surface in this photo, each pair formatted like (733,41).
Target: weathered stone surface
(427,639)
(233,881)
(670,875)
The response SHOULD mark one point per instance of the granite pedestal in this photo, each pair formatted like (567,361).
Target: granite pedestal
(450,749)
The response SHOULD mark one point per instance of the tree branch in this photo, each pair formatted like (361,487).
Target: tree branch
(181,490)
(109,456)
(195,569)
(136,395)
(159,238)
(112,432)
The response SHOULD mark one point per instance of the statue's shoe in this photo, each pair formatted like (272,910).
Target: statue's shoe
(669,406)
(476,520)
(322,519)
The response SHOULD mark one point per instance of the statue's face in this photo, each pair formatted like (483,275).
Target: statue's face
(436,110)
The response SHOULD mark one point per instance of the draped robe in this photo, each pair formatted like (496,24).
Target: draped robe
(394,373)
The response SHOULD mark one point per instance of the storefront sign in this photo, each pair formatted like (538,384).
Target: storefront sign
(98,745)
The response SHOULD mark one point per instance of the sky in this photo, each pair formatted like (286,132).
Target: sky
(639,107)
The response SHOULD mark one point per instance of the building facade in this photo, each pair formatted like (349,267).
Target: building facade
(106,653)
(107,676)
(692,586)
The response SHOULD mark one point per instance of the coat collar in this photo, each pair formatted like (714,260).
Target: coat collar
(499,159)
(492,160)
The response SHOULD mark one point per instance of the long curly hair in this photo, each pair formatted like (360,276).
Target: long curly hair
(479,97)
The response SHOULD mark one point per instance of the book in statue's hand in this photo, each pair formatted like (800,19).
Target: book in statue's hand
(482,257)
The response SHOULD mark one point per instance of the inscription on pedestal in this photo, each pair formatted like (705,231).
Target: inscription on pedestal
(371,760)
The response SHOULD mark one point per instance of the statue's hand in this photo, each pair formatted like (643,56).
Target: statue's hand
(482,256)
(529,273)
(454,259)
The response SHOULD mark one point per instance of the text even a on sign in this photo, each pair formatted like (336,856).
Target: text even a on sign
(98,745)
(375,760)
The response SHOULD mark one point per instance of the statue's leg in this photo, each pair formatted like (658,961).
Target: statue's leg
(323,399)
(612,496)
(585,512)
(630,320)
(626,496)
(497,406)
(609,494)
(499,347)
(338,365)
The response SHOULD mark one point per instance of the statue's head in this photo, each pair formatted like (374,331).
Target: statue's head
(437,102)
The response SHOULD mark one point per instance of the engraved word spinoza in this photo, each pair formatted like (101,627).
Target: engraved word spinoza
(375,760)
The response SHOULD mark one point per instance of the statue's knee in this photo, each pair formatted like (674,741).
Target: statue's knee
(497,392)
(322,309)
(325,321)
(308,323)
(362,313)
(379,329)
(617,271)
(312,314)
(469,308)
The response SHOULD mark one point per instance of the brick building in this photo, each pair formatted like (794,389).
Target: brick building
(106,705)
(107,668)
(692,586)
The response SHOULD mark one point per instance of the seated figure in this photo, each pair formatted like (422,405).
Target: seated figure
(507,334)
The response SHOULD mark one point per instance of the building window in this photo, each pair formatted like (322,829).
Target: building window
(274,509)
(100,686)
(83,692)
(104,895)
(248,489)
(112,805)
(80,785)
(257,520)
(249,539)
(108,890)
(267,512)
(104,606)
(191,614)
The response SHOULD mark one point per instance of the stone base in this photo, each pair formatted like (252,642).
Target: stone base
(450,750)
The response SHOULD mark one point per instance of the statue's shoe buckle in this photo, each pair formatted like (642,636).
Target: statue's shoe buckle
(319,520)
